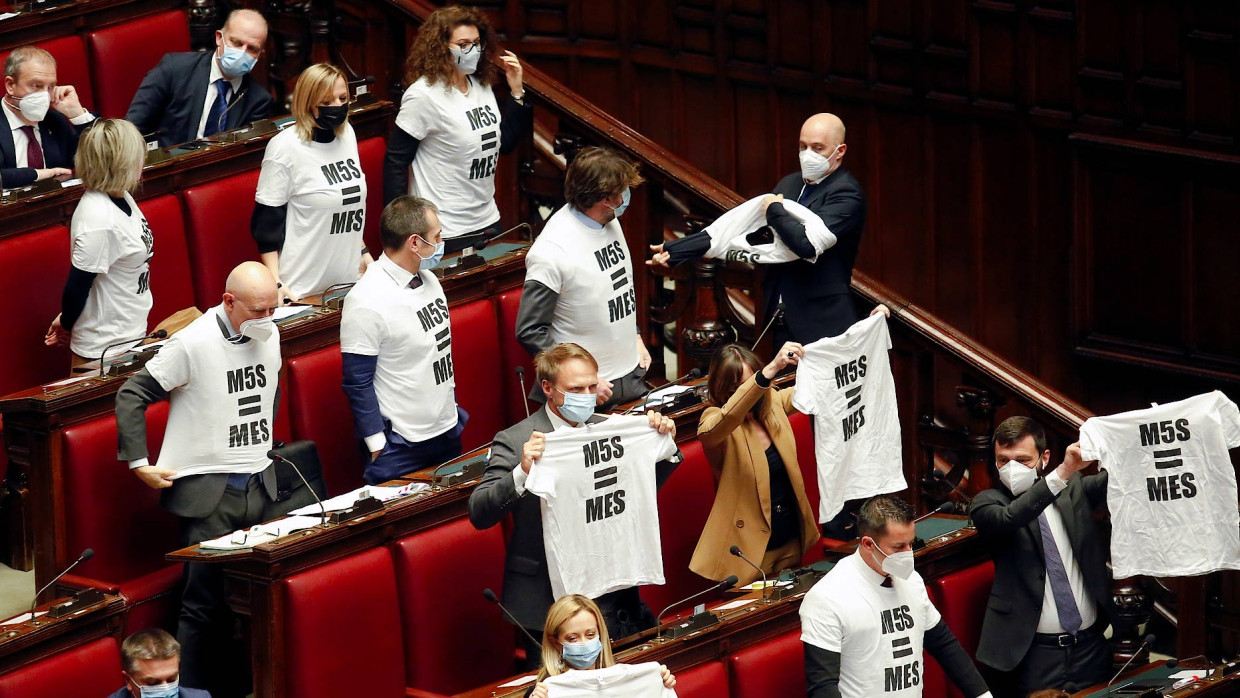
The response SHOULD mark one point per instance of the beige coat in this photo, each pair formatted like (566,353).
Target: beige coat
(741,514)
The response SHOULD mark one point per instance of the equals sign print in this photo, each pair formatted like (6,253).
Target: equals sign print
(618,279)
(444,338)
(351,194)
(489,140)
(897,644)
(853,395)
(605,477)
(249,405)
(1164,464)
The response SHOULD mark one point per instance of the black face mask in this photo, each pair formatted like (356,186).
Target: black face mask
(330,118)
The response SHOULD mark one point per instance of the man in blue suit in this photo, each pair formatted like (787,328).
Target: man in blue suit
(43,118)
(198,94)
(151,665)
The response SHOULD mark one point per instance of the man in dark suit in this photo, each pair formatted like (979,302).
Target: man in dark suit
(815,296)
(151,662)
(43,120)
(569,377)
(193,95)
(1051,598)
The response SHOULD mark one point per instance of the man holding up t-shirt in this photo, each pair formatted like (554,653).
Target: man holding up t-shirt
(579,283)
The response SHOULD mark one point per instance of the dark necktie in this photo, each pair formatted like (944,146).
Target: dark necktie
(1065,604)
(215,119)
(34,152)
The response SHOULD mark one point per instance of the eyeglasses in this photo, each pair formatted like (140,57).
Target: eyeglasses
(466,47)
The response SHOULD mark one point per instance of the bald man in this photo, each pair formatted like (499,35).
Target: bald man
(197,94)
(220,377)
(816,296)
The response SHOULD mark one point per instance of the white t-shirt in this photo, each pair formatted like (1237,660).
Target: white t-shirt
(117,249)
(599,509)
(222,406)
(593,273)
(1172,488)
(846,383)
(455,164)
(325,189)
(617,681)
(728,233)
(876,630)
(408,330)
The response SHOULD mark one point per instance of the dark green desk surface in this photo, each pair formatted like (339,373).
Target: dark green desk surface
(935,526)
(1154,674)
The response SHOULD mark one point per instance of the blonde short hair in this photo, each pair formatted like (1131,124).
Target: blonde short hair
(314,86)
(110,157)
(560,613)
(547,362)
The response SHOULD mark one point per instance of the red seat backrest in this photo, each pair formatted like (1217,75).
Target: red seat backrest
(454,638)
(684,504)
(961,598)
(92,669)
(121,55)
(704,681)
(512,354)
(33,268)
(172,287)
(219,232)
(474,338)
(319,411)
(371,152)
(108,508)
(801,427)
(71,66)
(772,669)
(341,633)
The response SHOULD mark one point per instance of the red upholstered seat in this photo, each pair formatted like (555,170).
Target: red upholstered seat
(219,232)
(33,268)
(319,411)
(371,152)
(172,287)
(801,428)
(512,354)
(772,669)
(342,635)
(961,599)
(454,639)
(474,338)
(684,504)
(92,669)
(704,681)
(71,66)
(121,55)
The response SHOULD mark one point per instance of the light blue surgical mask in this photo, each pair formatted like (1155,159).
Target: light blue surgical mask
(577,407)
(467,63)
(164,690)
(236,62)
(582,655)
(432,261)
(624,202)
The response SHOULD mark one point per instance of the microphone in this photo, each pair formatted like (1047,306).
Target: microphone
(219,125)
(86,555)
(490,596)
(525,402)
(940,509)
(736,550)
(779,311)
(281,459)
(492,238)
(725,584)
(942,477)
(157,334)
(692,374)
(1145,643)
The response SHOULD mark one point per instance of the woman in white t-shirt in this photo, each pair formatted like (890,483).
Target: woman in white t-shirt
(311,200)
(107,296)
(450,131)
(575,637)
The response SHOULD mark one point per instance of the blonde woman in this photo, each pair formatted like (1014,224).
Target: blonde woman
(311,200)
(575,637)
(107,296)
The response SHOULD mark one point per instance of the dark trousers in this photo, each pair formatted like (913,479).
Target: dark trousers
(1048,666)
(213,656)
(623,389)
(400,457)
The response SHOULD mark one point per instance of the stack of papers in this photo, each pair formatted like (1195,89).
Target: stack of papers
(346,501)
(262,533)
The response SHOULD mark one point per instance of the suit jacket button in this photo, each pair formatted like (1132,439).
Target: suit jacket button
(740,523)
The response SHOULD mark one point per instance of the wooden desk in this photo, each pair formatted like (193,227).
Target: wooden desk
(951,544)
(22,643)
(1210,687)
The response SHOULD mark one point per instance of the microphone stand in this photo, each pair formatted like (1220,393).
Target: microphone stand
(157,334)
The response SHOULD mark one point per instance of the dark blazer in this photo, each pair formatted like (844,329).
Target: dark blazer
(527,582)
(171,95)
(184,693)
(817,295)
(60,139)
(1010,525)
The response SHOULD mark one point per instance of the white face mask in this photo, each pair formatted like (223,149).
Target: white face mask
(259,329)
(815,166)
(1018,477)
(898,565)
(34,106)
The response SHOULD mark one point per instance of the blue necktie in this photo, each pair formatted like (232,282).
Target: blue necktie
(215,119)
(1061,589)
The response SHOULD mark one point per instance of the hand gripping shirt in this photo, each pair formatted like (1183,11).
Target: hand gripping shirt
(728,233)
(845,383)
(617,681)
(876,630)
(1172,488)
(600,510)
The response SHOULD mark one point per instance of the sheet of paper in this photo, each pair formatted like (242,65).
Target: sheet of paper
(68,182)
(520,681)
(262,533)
(22,618)
(1189,673)
(74,379)
(739,603)
(769,583)
(287,311)
(348,499)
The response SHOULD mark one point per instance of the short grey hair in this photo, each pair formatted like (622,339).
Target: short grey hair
(403,217)
(22,54)
(877,512)
(148,643)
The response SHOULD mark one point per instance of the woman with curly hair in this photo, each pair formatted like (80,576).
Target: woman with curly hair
(449,131)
